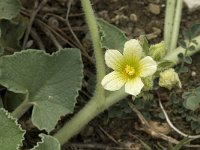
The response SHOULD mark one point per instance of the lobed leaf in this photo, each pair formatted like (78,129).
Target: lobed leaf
(50,82)
(9,9)
(111,36)
(48,143)
(10,131)
(11,33)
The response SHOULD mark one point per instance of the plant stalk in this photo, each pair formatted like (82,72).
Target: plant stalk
(173,55)
(176,26)
(169,18)
(90,111)
(99,56)
(21,109)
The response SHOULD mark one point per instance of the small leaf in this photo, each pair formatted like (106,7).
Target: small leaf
(11,132)
(144,43)
(163,65)
(11,33)
(111,36)
(188,60)
(187,34)
(48,143)
(180,56)
(185,95)
(195,30)
(182,43)
(192,102)
(50,82)
(192,48)
(194,42)
(9,9)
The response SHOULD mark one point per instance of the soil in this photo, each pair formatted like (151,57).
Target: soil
(134,18)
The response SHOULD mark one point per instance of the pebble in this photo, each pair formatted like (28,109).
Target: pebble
(133,17)
(154,9)
(193,73)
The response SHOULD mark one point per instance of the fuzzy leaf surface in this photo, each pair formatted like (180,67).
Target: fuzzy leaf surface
(11,33)
(48,143)
(111,36)
(50,82)
(10,131)
(9,9)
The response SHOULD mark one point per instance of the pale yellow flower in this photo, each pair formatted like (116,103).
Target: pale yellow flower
(128,68)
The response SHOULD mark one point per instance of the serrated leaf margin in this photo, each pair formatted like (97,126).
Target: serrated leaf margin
(9,116)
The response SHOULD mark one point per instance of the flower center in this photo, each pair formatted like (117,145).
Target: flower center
(129,70)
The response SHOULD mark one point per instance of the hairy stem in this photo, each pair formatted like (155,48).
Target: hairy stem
(176,26)
(169,18)
(21,109)
(173,55)
(98,103)
(86,114)
(92,24)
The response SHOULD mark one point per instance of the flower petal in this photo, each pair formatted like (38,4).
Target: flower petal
(132,50)
(134,86)
(113,81)
(148,66)
(114,59)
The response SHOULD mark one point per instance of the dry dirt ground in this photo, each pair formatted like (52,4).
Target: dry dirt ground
(134,17)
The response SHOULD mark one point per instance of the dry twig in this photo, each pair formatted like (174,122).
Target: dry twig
(151,131)
(171,124)
(32,18)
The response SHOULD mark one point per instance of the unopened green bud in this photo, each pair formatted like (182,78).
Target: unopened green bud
(169,78)
(148,83)
(158,51)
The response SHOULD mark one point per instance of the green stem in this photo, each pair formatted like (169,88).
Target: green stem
(173,55)
(99,56)
(176,26)
(86,114)
(169,18)
(21,109)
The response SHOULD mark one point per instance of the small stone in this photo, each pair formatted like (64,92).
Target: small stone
(133,17)
(193,73)
(192,4)
(138,32)
(154,9)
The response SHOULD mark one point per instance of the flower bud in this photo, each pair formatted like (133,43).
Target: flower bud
(158,51)
(169,78)
(148,83)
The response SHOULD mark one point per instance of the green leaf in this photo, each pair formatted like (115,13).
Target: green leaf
(188,60)
(192,102)
(181,56)
(195,30)
(11,33)
(192,48)
(144,43)
(9,9)
(163,65)
(48,143)
(10,131)
(111,36)
(182,43)
(50,82)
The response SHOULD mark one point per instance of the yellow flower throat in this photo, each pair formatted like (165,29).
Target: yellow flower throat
(129,70)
